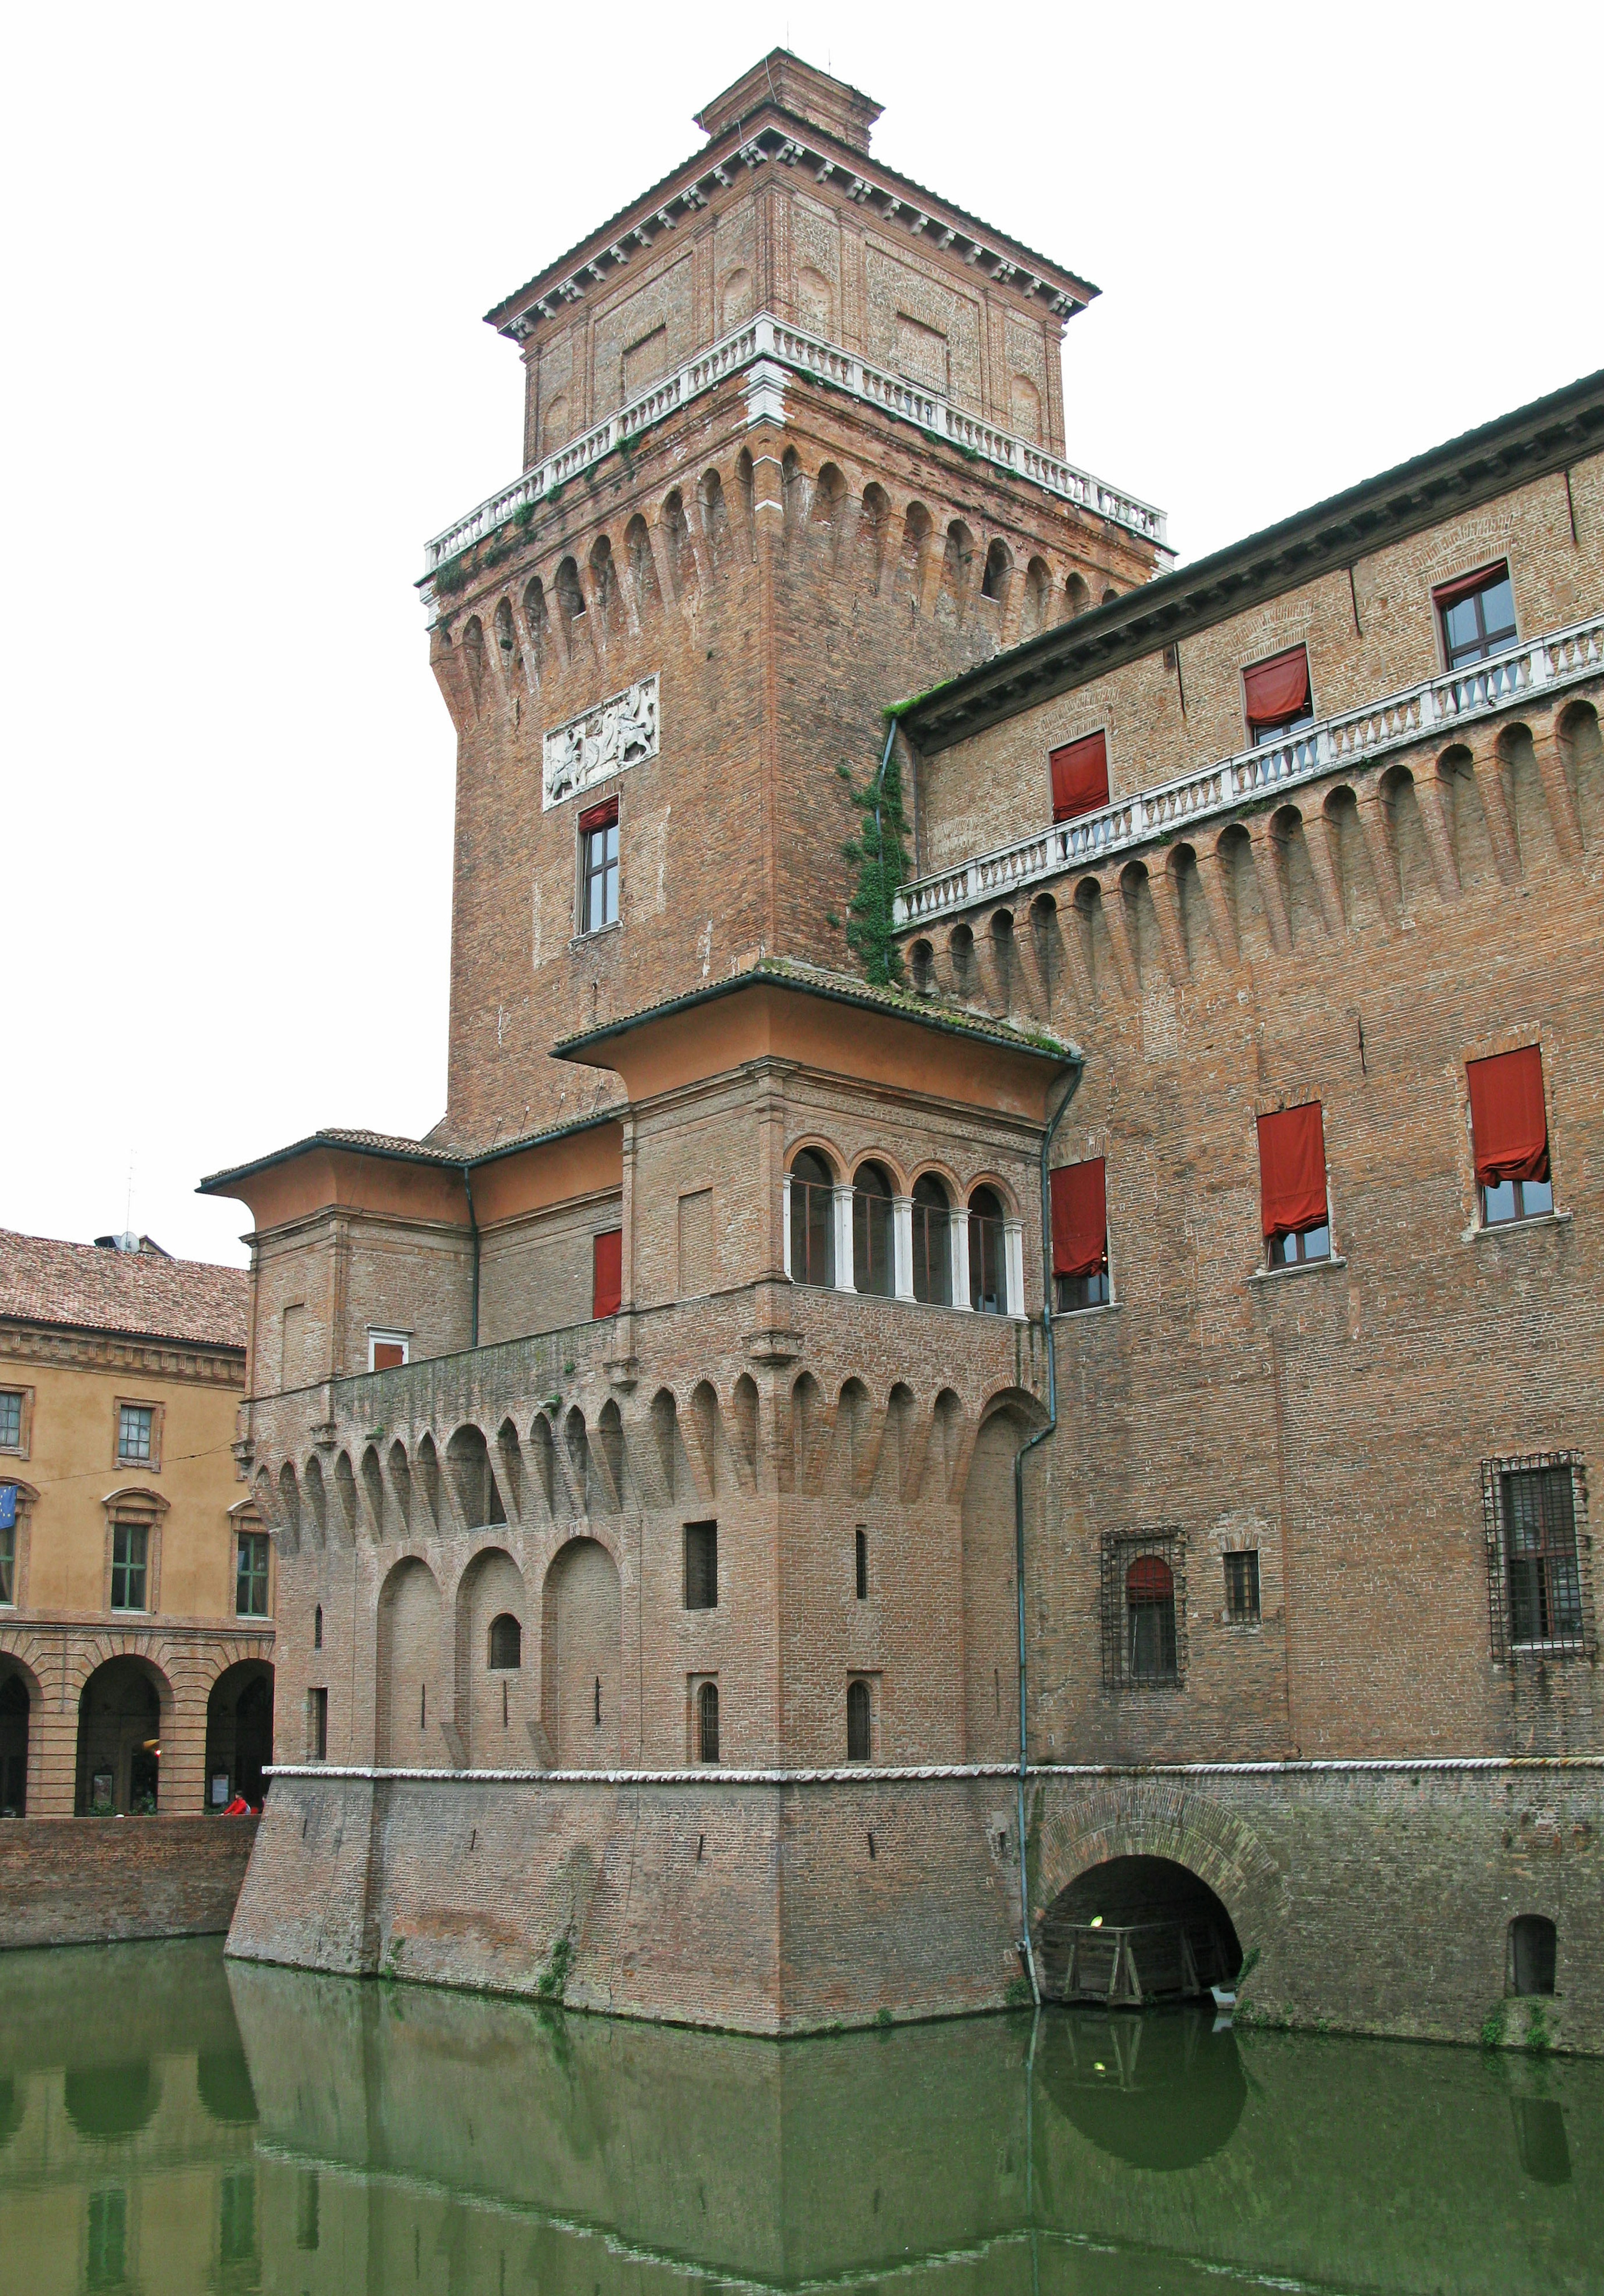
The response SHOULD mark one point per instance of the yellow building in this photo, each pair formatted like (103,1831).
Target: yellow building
(136,1581)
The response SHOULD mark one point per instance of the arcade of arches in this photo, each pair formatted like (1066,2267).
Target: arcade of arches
(128,1738)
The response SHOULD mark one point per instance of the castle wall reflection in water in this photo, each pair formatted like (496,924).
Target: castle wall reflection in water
(168,2123)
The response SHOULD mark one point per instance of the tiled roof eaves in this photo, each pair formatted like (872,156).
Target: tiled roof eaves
(834,988)
(137,1334)
(715,151)
(47,1283)
(391,1150)
(1515,449)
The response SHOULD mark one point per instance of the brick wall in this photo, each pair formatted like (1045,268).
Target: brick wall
(94,1880)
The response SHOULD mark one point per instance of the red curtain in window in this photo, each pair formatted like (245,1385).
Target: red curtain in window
(608,1286)
(1276,690)
(1080,1219)
(1292,1169)
(1508,1121)
(1080,772)
(598,816)
(1468,584)
(1149,1579)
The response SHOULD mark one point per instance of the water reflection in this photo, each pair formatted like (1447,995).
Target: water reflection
(168,2122)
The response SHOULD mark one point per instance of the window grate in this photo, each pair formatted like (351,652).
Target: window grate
(1143,1605)
(1534,1517)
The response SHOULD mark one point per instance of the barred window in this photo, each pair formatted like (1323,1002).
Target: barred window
(1242,1589)
(1144,1611)
(1534,1554)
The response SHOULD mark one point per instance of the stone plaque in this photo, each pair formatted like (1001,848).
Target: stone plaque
(620,732)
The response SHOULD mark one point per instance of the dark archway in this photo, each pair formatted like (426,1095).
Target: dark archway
(119,1740)
(1135,1931)
(108,2100)
(239,1733)
(14,1709)
(223,2082)
(1157,2092)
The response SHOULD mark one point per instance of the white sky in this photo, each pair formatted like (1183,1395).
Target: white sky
(245,377)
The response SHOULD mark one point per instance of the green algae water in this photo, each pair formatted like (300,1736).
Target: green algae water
(171,2122)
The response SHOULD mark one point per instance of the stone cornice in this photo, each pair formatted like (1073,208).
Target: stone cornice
(78,1350)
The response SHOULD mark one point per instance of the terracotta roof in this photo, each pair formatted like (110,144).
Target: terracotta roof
(142,1294)
(448,1158)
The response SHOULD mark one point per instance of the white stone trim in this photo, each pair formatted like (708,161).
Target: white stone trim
(858,1772)
(1013,1254)
(901,1216)
(620,731)
(845,1276)
(958,1233)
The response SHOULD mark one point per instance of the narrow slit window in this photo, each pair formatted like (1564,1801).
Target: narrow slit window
(701,1566)
(318,1726)
(707,1722)
(598,866)
(860,1564)
(859,1722)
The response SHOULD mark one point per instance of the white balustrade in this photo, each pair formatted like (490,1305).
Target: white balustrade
(1558,659)
(766,338)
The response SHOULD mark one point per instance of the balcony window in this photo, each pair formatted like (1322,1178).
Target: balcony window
(1477,615)
(813,1219)
(1509,1132)
(988,1277)
(1079,777)
(598,866)
(874,1255)
(931,1241)
(1276,695)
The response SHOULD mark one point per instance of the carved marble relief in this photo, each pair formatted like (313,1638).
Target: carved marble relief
(617,732)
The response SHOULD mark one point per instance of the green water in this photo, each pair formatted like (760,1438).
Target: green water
(170,2122)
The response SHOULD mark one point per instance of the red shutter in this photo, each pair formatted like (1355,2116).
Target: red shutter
(608,1284)
(598,816)
(1149,1579)
(1080,1219)
(1469,584)
(1276,690)
(1080,772)
(1292,1169)
(1508,1121)
(389,1354)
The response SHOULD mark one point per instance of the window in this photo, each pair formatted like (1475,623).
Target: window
(236,2210)
(12,1418)
(1276,695)
(8,1550)
(106,2249)
(250,1575)
(136,1433)
(873,1263)
(1079,777)
(606,1272)
(932,1243)
(1292,1186)
(1242,1589)
(701,1566)
(859,1722)
(387,1350)
(1534,1944)
(1477,615)
(317,1627)
(988,1281)
(598,866)
(1534,1563)
(707,1722)
(1080,1214)
(813,1219)
(507,1643)
(1509,1135)
(1144,1611)
(860,1563)
(130,1555)
(318,1726)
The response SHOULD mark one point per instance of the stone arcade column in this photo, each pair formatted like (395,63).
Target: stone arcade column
(902,1210)
(845,1280)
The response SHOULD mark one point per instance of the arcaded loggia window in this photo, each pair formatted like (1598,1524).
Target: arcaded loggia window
(1150,1620)
(874,1248)
(506,1643)
(598,866)
(859,1722)
(988,1277)
(931,1241)
(707,1722)
(813,1219)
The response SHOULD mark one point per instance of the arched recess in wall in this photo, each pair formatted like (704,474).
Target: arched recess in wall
(491,1713)
(1234,853)
(827,510)
(1190,904)
(1582,753)
(1345,841)
(581,1669)
(571,598)
(643,567)
(1298,887)
(998,566)
(506,641)
(605,589)
(1077,597)
(410,1692)
(1024,405)
(682,550)
(796,493)
(715,517)
(553,432)
(1463,818)
(734,304)
(1038,591)
(814,303)
(957,555)
(990,1639)
(873,534)
(1524,791)
(1411,855)
(537,621)
(472,654)
(917,528)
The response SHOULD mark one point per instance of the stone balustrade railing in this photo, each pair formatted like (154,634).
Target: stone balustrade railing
(1323,746)
(765,338)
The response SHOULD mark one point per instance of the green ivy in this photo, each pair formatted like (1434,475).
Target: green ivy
(880,854)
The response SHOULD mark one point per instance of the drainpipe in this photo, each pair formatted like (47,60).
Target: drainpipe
(467,1187)
(1040,1436)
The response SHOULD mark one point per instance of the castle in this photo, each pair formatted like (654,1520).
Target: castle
(848,1471)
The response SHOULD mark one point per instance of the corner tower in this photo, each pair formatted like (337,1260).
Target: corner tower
(793,441)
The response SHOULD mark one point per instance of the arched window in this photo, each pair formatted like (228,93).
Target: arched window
(988,1278)
(995,577)
(813,1219)
(874,1260)
(1532,1944)
(707,1722)
(931,1241)
(1150,1620)
(506,1641)
(859,1720)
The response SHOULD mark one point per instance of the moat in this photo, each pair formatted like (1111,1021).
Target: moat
(170,2122)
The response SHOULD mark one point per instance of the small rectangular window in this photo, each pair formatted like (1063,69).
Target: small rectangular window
(1079,1216)
(1276,695)
(1509,1134)
(1477,615)
(8,1564)
(598,866)
(135,1424)
(11,1419)
(860,1563)
(318,1726)
(250,1576)
(1079,777)
(606,1272)
(131,1564)
(387,1350)
(701,1566)
(106,2247)
(1292,1185)
(1242,1589)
